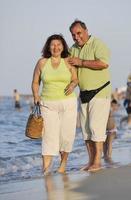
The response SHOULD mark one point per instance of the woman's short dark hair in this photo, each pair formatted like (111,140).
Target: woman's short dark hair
(82,24)
(46,49)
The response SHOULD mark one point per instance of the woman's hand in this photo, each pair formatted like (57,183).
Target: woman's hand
(69,88)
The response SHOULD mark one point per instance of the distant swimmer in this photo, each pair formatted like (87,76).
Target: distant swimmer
(17,99)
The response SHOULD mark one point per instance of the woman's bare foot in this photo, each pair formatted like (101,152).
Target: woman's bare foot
(108,159)
(47,159)
(61,170)
(46,171)
(62,167)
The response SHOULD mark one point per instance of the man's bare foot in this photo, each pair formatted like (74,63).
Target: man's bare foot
(62,168)
(95,167)
(108,160)
(85,168)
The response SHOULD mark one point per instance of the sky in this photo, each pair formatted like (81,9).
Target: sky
(25,26)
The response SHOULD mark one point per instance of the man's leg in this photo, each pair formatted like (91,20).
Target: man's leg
(96,164)
(105,148)
(98,116)
(84,120)
(95,152)
(91,153)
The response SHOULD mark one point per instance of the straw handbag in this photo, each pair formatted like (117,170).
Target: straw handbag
(35,122)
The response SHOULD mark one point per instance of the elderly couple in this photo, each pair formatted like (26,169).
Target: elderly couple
(60,70)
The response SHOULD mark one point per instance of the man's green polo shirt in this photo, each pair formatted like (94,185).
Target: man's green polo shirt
(88,78)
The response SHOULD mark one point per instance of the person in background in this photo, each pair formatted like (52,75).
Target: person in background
(127,103)
(59,101)
(91,57)
(115,94)
(111,131)
(16,96)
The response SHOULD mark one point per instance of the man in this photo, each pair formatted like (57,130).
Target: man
(91,57)
(17,99)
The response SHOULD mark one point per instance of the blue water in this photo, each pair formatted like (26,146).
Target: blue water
(20,157)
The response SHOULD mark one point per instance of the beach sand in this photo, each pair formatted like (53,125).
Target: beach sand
(107,184)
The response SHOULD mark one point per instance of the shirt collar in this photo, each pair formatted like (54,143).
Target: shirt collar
(89,40)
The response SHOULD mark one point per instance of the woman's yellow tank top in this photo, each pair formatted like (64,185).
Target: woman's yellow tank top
(55,81)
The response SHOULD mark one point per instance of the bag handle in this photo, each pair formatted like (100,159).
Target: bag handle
(36,110)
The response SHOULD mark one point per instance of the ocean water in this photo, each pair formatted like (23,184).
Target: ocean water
(20,157)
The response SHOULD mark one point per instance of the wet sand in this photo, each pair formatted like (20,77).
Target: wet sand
(107,184)
(111,183)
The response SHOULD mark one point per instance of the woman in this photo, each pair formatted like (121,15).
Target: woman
(58,99)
